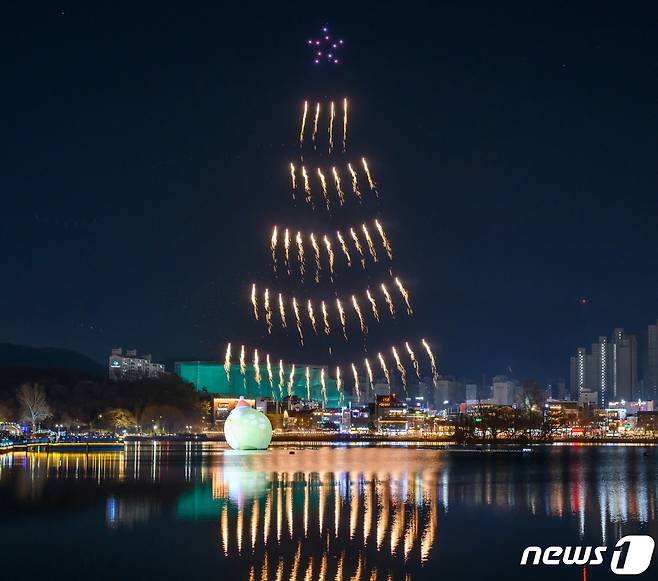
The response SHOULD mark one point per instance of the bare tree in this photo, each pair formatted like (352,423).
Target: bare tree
(34,407)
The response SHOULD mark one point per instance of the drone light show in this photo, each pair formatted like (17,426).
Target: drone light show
(325,47)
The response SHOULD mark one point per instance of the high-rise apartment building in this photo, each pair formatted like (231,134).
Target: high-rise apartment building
(651,378)
(129,367)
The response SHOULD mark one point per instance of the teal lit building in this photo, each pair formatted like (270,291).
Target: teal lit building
(211,376)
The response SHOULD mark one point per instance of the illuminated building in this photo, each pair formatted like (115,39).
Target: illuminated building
(129,367)
(391,414)
(651,380)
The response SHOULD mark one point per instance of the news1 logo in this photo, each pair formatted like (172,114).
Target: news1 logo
(631,556)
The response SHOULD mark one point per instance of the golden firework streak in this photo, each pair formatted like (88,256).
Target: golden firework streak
(307,186)
(298,320)
(355,182)
(254,300)
(369,371)
(307,374)
(371,246)
(339,383)
(281,377)
(385,242)
(291,379)
(257,368)
(343,245)
(273,243)
(282,312)
(344,124)
(323,384)
(301,132)
(401,368)
(293,179)
(243,365)
(311,316)
(405,295)
(330,253)
(387,375)
(357,244)
(325,318)
(435,373)
(323,183)
(316,250)
(268,311)
(341,315)
(373,304)
(357,308)
(355,373)
(389,300)
(339,189)
(270,375)
(227,363)
(371,183)
(286,249)
(331,126)
(300,254)
(315,121)
(414,361)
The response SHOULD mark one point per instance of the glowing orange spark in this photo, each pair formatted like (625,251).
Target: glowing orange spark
(357,244)
(341,315)
(323,183)
(315,121)
(405,295)
(331,127)
(371,183)
(344,124)
(291,379)
(298,320)
(369,371)
(389,300)
(311,316)
(307,374)
(343,245)
(330,253)
(373,304)
(356,383)
(385,242)
(325,318)
(371,246)
(268,311)
(355,182)
(300,254)
(357,308)
(339,189)
(257,368)
(273,243)
(286,248)
(301,132)
(414,361)
(270,375)
(401,368)
(227,363)
(435,373)
(323,385)
(243,365)
(382,363)
(307,186)
(282,312)
(293,179)
(316,250)
(254,300)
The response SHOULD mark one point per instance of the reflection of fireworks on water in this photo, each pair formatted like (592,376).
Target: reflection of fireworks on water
(316,250)
(315,121)
(373,304)
(282,312)
(371,246)
(414,361)
(323,385)
(311,316)
(382,363)
(389,300)
(257,376)
(268,311)
(325,318)
(405,295)
(243,365)
(291,379)
(307,186)
(371,183)
(301,131)
(344,124)
(339,189)
(227,363)
(254,300)
(385,242)
(332,114)
(341,315)
(323,183)
(359,314)
(330,253)
(343,245)
(307,374)
(355,373)
(300,253)
(435,373)
(401,368)
(298,320)
(286,249)
(369,371)
(355,182)
(357,245)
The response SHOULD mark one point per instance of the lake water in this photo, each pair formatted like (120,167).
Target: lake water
(200,511)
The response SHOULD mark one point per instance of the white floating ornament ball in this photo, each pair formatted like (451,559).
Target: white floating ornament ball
(247,428)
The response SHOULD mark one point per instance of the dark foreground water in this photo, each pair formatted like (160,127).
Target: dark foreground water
(200,511)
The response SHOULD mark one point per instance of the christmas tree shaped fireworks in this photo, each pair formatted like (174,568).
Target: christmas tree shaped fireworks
(333,291)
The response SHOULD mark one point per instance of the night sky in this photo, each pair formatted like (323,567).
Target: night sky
(145,149)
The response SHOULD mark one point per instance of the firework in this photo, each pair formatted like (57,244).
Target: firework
(298,320)
(371,246)
(405,295)
(227,363)
(385,242)
(389,300)
(343,245)
(357,244)
(359,314)
(323,385)
(291,379)
(323,183)
(282,312)
(293,179)
(344,124)
(414,361)
(301,131)
(281,377)
(316,250)
(311,316)
(373,305)
(339,189)
(341,315)
(300,254)
(254,300)
(356,382)
(435,373)
(270,375)
(330,253)
(339,383)
(331,126)
(307,186)
(307,374)
(257,368)
(273,243)
(243,365)
(387,375)
(325,318)
(401,368)
(315,121)
(286,248)
(355,183)
(268,311)
(371,183)
(369,371)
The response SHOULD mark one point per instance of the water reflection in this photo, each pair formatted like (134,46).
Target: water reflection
(344,513)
